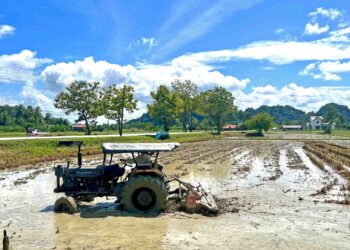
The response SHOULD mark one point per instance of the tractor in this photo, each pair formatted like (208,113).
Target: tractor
(136,178)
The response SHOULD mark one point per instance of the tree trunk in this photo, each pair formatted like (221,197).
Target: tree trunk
(185,119)
(88,131)
(122,114)
(119,127)
(166,126)
(219,128)
(190,120)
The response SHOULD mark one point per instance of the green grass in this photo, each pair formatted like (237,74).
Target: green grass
(336,132)
(111,132)
(18,153)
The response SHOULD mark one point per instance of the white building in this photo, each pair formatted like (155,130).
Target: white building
(316,123)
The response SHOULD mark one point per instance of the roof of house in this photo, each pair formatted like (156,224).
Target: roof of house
(312,118)
(78,126)
(230,126)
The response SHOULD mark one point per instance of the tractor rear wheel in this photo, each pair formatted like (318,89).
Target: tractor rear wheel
(144,194)
(66,204)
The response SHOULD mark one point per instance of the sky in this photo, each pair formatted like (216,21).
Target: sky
(267,52)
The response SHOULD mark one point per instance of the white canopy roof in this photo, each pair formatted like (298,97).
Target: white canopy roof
(114,148)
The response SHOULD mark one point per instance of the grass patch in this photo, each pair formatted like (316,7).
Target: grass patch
(27,152)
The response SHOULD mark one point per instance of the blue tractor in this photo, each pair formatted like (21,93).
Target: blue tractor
(135,177)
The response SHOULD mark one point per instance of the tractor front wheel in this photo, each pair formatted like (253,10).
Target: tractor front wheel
(144,194)
(66,204)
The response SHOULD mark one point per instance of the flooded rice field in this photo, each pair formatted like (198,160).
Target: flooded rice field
(271,195)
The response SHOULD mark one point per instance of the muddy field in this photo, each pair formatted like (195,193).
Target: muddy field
(271,194)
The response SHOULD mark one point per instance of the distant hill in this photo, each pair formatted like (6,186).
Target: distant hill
(343,110)
(281,114)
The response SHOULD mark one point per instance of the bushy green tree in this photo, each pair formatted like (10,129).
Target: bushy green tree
(185,92)
(330,116)
(81,97)
(260,122)
(163,107)
(217,105)
(116,101)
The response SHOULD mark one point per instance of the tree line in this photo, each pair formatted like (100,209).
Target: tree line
(21,118)
(170,105)
(181,104)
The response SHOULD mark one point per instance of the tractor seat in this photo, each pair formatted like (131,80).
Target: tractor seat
(112,171)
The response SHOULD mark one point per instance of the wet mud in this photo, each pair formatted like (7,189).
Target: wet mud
(271,195)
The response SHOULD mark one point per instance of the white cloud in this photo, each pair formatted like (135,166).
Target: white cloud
(36,97)
(5,100)
(304,98)
(25,59)
(143,77)
(202,24)
(278,52)
(148,42)
(327,70)
(6,30)
(265,90)
(280,31)
(328,13)
(19,67)
(312,29)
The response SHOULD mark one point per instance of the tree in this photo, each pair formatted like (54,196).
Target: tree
(81,97)
(330,116)
(186,92)
(242,116)
(163,107)
(217,105)
(115,101)
(260,122)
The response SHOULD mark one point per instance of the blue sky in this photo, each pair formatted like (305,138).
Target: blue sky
(266,52)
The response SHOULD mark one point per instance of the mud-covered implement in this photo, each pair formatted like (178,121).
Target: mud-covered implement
(193,199)
(135,178)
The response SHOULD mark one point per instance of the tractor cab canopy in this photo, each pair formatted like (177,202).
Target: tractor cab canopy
(142,149)
(116,148)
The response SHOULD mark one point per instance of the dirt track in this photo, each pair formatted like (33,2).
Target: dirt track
(270,193)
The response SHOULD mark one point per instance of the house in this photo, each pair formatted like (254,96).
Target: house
(291,127)
(230,127)
(316,123)
(78,127)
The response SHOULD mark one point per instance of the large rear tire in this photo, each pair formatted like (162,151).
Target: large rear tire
(144,194)
(66,204)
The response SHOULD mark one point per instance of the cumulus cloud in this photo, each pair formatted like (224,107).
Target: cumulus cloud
(36,97)
(144,77)
(315,29)
(6,30)
(304,98)
(5,100)
(330,13)
(26,59)
(18,67)
(328,70)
